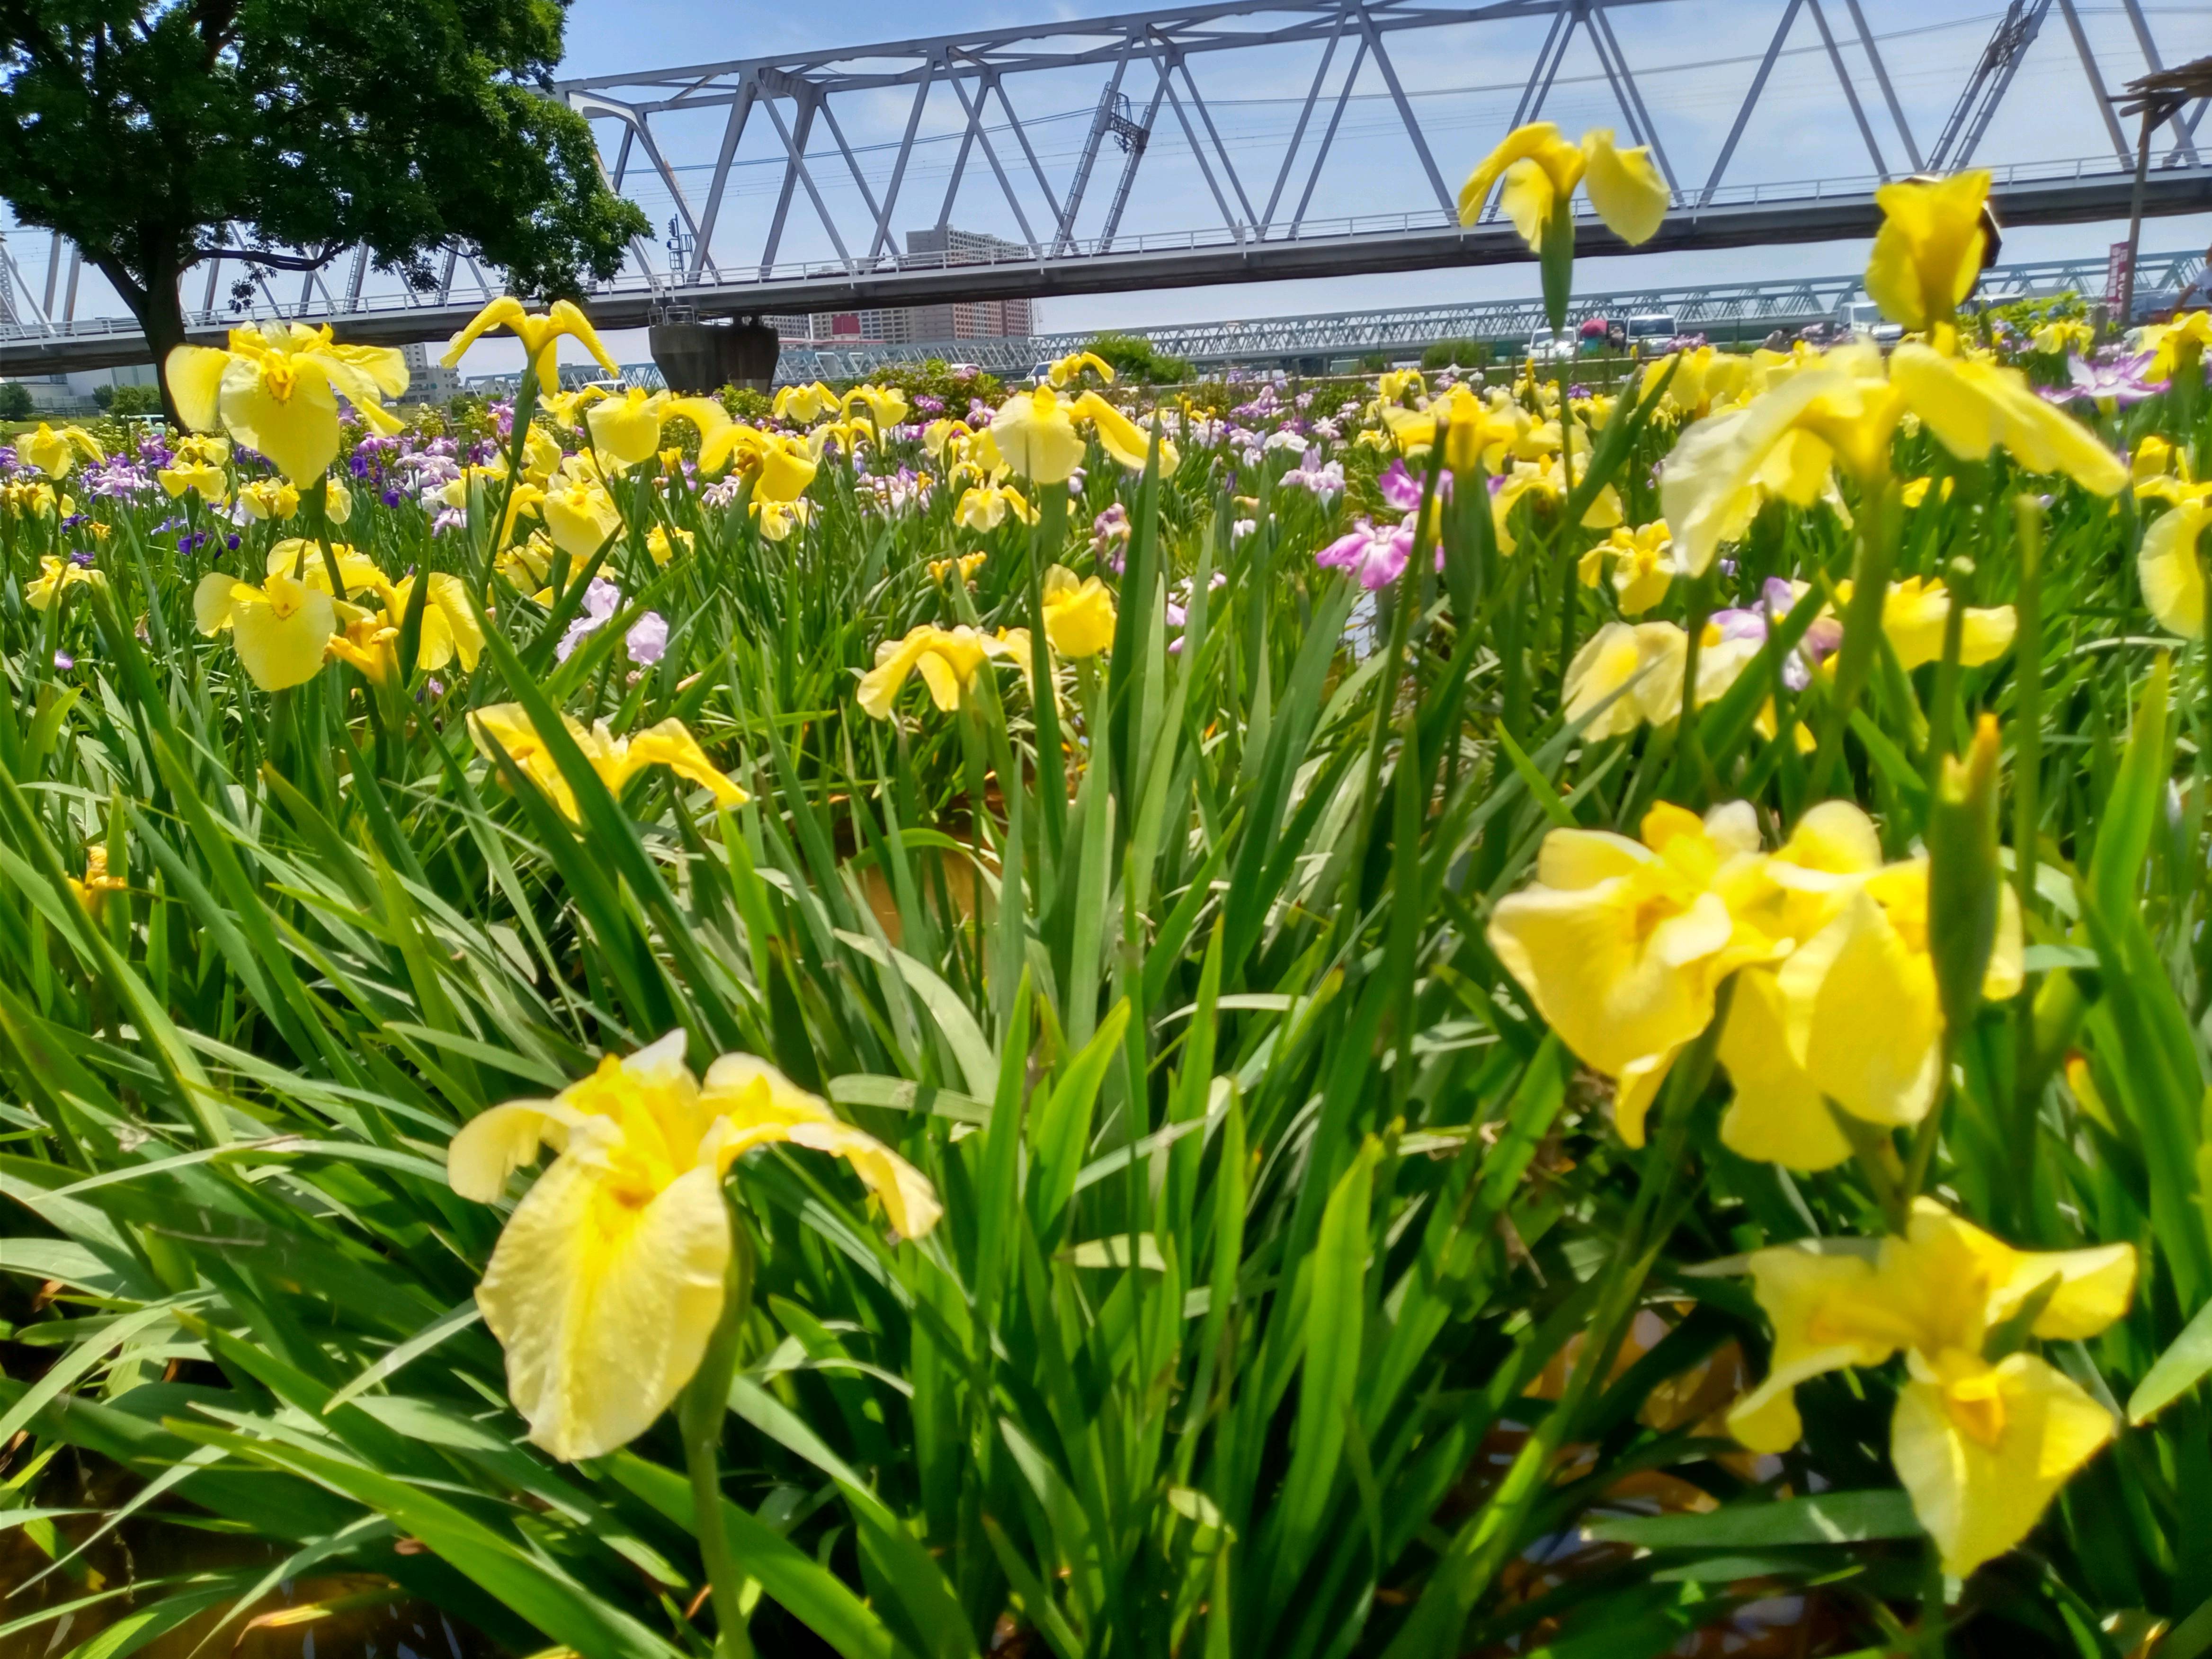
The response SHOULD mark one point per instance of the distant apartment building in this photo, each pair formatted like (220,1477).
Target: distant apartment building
(428,381)
(909,324)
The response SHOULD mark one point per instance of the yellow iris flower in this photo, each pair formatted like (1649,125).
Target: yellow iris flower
(1070,368)
(2062,335)
(2177,346)
(540,335)
(1929,250)
(1982,1447)
(2167,565)
(1079,616)
(777,520)
(1642,572)
(92,892)
(805,404)
(55,577)
(269,498)
(1474,429)
(1121,437)
(984,508)
(1621,945)
(608,1279)
(617,760)
(280,630)
(626,430)
(1701,378)
(275,389)
(1392,386)
(55,452)
(782,465)
(303,562)
(35,499)
(942,431)
(966,565)
(1851,1016)
(579,512)
(195,473)
(664,547)
(1546,481)
(886,404)
(947,658)
(1645,663)
(1913,612)
(370,639)
(1034,433)
(1540,170)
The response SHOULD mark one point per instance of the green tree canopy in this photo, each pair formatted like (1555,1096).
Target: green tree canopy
(144,130)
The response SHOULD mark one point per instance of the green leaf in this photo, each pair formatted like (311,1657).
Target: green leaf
(1335,1322)
(2178,1369)
(1835,1517)
(1060,1133)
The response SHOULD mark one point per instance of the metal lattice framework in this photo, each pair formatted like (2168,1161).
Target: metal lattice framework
(1076,233)
(1293,341)
(1741,308)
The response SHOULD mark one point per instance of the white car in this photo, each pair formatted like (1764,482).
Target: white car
(1861,319)
(1549,345)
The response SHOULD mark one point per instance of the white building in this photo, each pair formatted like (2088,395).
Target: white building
(427,380)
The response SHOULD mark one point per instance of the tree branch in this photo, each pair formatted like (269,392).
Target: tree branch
(254,255)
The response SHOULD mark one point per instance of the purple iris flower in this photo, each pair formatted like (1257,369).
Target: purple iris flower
(601,600)
(1375,554)
(2120,379)
(1777,599)
(648,639)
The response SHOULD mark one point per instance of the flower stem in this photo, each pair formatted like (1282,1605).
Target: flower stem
(1480,1549)
(1877,548)
(700,1416)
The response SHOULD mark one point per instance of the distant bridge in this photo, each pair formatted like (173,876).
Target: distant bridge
(1075,237)
(1313,343)
(1720,310)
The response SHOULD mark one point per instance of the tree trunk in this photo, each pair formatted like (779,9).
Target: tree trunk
(161,314)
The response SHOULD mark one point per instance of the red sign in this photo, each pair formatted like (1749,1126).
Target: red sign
(2116,272)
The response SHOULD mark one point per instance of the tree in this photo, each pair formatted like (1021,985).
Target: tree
(1457,354)
(14,401)
(153,132)
(1135,358)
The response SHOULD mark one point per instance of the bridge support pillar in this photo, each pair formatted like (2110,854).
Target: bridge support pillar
(696,357)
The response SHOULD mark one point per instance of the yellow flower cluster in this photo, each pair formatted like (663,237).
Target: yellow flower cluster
(1621,945)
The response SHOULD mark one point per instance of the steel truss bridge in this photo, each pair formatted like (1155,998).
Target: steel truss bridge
(1312,344)
(1725,310)
(1077,233)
